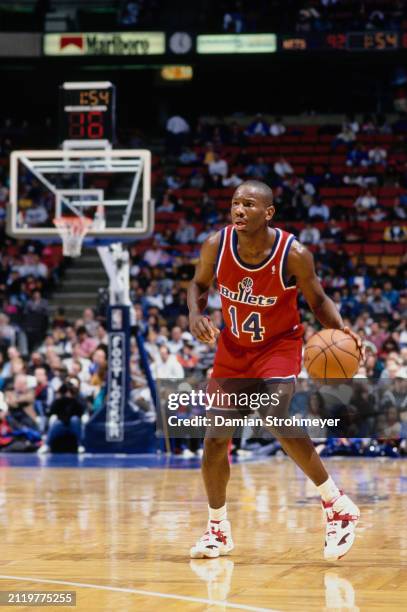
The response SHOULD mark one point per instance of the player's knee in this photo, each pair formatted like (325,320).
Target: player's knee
(216,446)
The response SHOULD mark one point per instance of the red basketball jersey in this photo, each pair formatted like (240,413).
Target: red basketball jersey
(257,304)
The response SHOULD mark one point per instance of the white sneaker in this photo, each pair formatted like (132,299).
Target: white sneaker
(216,541)
(342,516)
(43,450)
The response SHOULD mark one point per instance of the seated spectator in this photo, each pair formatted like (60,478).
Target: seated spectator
(283,168)
(277,128)
(357,156)
(365,201)
(188,156)
(86,343)
(33,266)
(318,212)
(36,215)
(185,233)
(98,369)
(395,394)
(168,202)
(4,193)
(308,18)
(167,366)
(20,401)
(209,154)
(392,428)
(368,125)
(176,342)
(59,319)
(345,136)
(187,356)
(351,123)
(90,322)
(316,410)
(309,235)
(131,13)
(375,20)
(155,255)
(232,181)
(377,214)
(390,294)
(65,432)
(218,166)
(233,21)
(379,305)
(395,233)
(378,156)
(197,180)
(44,395)
(141,400)
(173,181)
(152,297)
(258,169)
(332,233)
(7,332)
(101,335)
(35,319)
(399,209)
(177,130)
(258,127)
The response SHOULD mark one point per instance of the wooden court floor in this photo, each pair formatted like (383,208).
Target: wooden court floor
(120,538)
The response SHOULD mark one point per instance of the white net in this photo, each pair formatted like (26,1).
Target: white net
(72,231)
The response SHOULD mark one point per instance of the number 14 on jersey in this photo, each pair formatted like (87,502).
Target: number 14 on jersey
(251,325)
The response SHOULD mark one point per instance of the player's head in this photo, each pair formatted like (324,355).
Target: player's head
(252,206)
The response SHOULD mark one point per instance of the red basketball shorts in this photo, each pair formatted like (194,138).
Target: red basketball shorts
(279,358)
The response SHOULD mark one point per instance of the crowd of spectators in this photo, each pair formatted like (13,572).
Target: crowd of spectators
(249,16)
(228,16)
(49,393)
(44,363)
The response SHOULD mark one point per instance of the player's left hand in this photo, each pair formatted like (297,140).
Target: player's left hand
(358,340)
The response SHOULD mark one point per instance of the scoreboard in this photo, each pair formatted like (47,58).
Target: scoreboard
(87,112)
(344,41)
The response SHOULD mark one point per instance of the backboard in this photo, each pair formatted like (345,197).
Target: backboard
(111,187)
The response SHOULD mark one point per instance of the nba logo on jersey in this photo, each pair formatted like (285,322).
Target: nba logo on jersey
(247,283)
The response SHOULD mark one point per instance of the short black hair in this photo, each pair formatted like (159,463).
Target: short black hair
(263,188)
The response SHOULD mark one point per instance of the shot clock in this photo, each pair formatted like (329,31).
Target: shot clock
(87,112)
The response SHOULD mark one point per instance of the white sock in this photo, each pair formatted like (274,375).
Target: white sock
(218,514)
(328,490)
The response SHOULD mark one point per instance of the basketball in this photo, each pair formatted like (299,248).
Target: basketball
(331,353)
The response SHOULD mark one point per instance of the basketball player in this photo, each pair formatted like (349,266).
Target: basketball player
(258,270)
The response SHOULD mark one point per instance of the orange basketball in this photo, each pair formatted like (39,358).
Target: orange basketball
(331,353)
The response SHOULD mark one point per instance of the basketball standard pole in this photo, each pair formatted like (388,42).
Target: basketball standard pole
(121,318)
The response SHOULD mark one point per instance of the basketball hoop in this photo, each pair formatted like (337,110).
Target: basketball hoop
(72,231)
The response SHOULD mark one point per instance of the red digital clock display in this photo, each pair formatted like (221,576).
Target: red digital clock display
(87,125)
(87,111)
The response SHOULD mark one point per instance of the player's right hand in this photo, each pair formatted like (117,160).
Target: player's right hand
(203,329)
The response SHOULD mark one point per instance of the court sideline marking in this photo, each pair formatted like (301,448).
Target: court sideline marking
(100,587)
